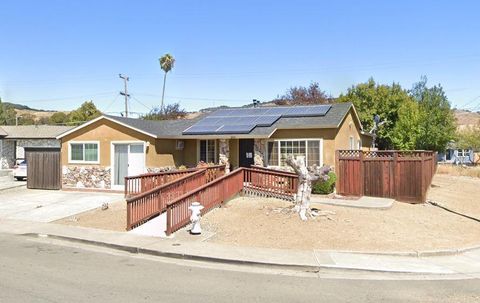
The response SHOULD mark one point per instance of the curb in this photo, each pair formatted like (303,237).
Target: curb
(13,187)
(191,257)
(413,253)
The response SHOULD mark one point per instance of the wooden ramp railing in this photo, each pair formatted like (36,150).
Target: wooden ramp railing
(144,206)
(135,185)
(209,195)
(209,186)
(251,181)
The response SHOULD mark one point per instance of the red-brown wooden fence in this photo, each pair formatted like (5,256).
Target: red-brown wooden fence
(402,175)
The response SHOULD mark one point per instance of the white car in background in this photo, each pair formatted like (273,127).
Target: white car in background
(20,170)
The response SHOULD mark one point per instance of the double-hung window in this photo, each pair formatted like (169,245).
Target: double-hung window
(207,151)
(83,152)
(279,150)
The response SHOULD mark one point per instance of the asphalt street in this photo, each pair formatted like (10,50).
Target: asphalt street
(33,270)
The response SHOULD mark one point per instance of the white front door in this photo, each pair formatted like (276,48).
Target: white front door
(136,160)
(129,160)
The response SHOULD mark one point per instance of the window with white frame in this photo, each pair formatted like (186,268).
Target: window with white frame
(207,151)
(359,143)
(279,150)
(84,152)
(352,143)
(463,153)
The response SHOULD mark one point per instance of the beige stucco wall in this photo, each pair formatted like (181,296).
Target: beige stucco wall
(190,153)
(160,152)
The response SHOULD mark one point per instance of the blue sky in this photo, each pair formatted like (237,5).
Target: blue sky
(57,54)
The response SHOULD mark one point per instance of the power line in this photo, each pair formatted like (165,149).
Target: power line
(141,103)
(111,103)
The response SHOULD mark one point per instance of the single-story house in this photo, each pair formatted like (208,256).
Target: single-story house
(13,140)
(457,156)
(101,152)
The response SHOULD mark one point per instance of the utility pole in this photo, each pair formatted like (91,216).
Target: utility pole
(125,92)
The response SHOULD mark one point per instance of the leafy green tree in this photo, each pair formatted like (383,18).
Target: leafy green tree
(372,99)
(86,112)
(405,132)
(299,95)
(468,138)
(7,114)
(166,63)
(58,118)
(171,112)
(437,123)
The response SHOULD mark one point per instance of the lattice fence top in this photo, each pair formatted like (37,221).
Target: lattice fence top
(349,153)
(385,154)
(377,155)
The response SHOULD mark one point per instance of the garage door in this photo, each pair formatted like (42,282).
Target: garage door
(43,168)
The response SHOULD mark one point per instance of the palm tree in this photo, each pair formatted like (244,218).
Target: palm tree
(166,63)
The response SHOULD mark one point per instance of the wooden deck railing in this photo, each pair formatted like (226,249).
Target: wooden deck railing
(135,185)
(142,207)
(270,182)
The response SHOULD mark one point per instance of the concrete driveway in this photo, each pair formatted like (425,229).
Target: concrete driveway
(49,205)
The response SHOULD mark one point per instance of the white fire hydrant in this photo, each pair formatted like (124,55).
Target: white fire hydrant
(196,209)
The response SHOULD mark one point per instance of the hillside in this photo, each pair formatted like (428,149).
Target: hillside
(466,118)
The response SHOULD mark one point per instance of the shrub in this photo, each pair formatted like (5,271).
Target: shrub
(325,187)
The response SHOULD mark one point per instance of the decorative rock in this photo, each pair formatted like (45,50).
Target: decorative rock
(86,177)
(259,152)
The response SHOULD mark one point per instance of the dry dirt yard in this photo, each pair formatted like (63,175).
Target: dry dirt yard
(114,218)
(261,222)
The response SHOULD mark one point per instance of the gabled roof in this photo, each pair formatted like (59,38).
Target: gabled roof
(174,128)
(33,131)
(155,129)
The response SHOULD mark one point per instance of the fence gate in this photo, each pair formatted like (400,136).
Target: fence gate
(43,168)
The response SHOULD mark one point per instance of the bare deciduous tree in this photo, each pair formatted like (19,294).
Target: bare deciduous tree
(305,178)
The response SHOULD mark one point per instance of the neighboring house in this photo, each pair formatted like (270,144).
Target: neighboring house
(101,152)
(13,140)
(457,156)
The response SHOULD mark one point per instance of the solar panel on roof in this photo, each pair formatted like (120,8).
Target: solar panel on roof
(235,129)
(277,111)
(267,120)
(211,121)
(306,111)
(200,129)
(243,120)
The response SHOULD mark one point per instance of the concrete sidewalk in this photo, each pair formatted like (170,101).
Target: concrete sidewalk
(457,263)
